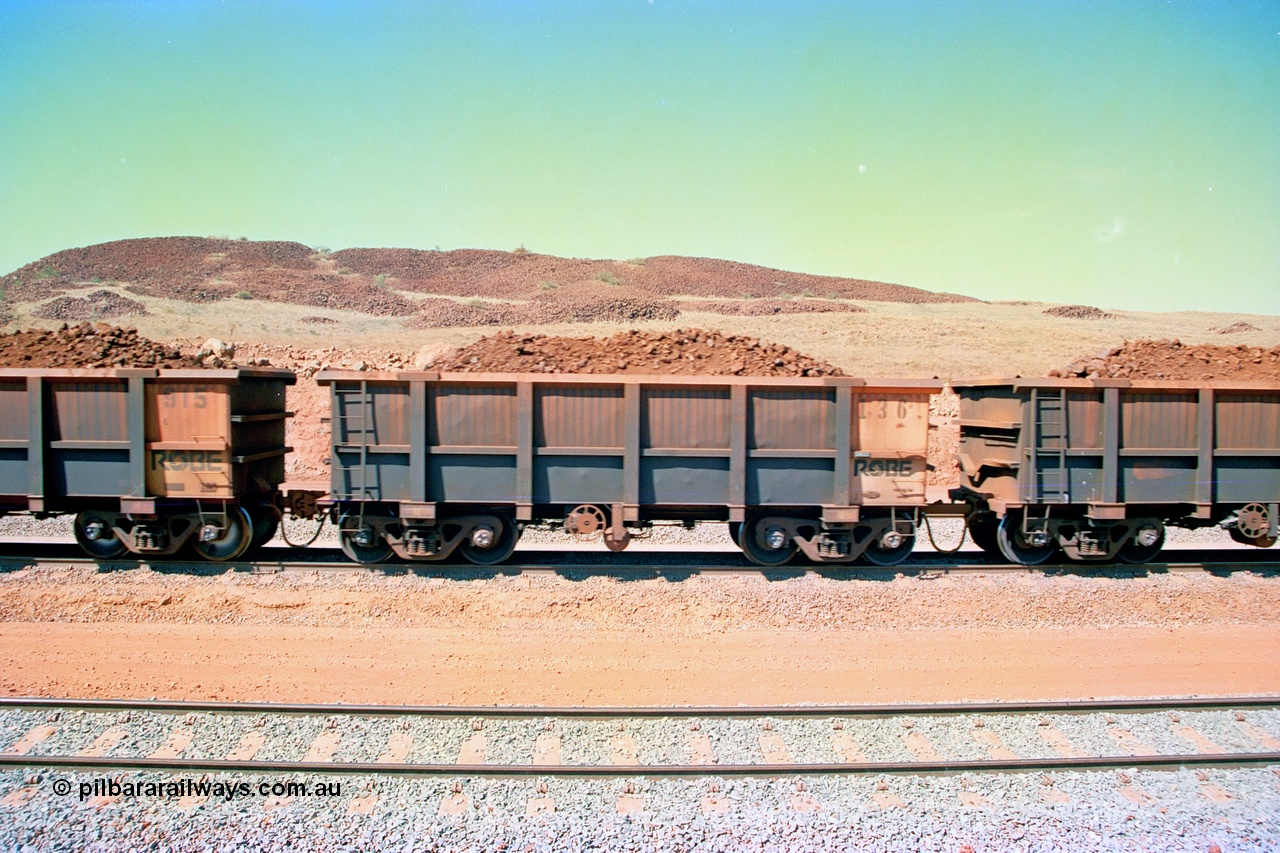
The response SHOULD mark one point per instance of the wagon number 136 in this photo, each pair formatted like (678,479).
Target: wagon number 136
(881,411)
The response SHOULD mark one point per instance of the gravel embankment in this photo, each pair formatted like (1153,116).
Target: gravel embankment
(1125,810)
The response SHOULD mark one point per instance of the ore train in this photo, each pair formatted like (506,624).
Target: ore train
(432,467)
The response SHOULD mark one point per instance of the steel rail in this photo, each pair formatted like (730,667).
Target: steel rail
(613,712)
(1235,759)
(269,566)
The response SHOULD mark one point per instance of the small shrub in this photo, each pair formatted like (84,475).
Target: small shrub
(244,294)
(477,303)
(47,271)
(609,278)
(520,250)
(806,292)
(638,262)
(548,285)
(380,279)
(97,279)
(345,271)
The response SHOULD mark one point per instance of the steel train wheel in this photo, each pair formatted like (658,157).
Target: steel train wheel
(1015,547)
(376,551)
(234,540)
(96,537)
(504,544)
(983,528)
(735,532)
(757,549)
(878,555)
(266,521)
(1134,552)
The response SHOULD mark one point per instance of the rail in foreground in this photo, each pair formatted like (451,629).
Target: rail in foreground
(330,560)
(1255,759)
(772,742)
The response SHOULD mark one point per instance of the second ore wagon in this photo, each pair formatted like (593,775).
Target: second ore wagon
(426,464)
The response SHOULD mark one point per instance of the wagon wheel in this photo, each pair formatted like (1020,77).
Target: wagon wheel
(350,531)
(266,521)
(878,555)
(1253,521)
(735,528)
(1260,542)
(502,543)
(755,543)
(1014,545)
(97,538)
(232,541)
(1151,532)
(983,527)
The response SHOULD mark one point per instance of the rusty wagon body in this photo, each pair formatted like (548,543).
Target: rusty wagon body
(148,459)
(1097,468)
(424,464)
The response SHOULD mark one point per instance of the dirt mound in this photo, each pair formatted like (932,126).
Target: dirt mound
(87,345)
(181,267)
(511,275)
(1176,360)
(1237,328)
(582,307)
(769,307)
(691,351)
(1078,312)
(99,305)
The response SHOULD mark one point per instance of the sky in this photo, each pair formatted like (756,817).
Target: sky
(1124,155)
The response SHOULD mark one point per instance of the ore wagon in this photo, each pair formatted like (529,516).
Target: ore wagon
(1098,468)
(148,460)
(426,464)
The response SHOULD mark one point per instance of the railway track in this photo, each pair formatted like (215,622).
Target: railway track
(638,742)
(319,559)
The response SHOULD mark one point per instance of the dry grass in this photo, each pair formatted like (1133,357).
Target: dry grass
(892,339)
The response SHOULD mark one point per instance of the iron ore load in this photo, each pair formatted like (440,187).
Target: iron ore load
(442,466)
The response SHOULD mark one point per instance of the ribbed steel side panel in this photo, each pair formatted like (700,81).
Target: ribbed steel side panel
(483,415)
(1158,419)
(568,416)
(1247,421)
(686,417)
(792,420)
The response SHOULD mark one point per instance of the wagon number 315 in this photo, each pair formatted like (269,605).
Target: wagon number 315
(186,398)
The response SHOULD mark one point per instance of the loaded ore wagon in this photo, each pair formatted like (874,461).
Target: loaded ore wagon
(1098,468)
(149,460)
(426,464)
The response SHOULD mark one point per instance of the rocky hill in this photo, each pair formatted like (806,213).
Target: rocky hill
(385,281)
